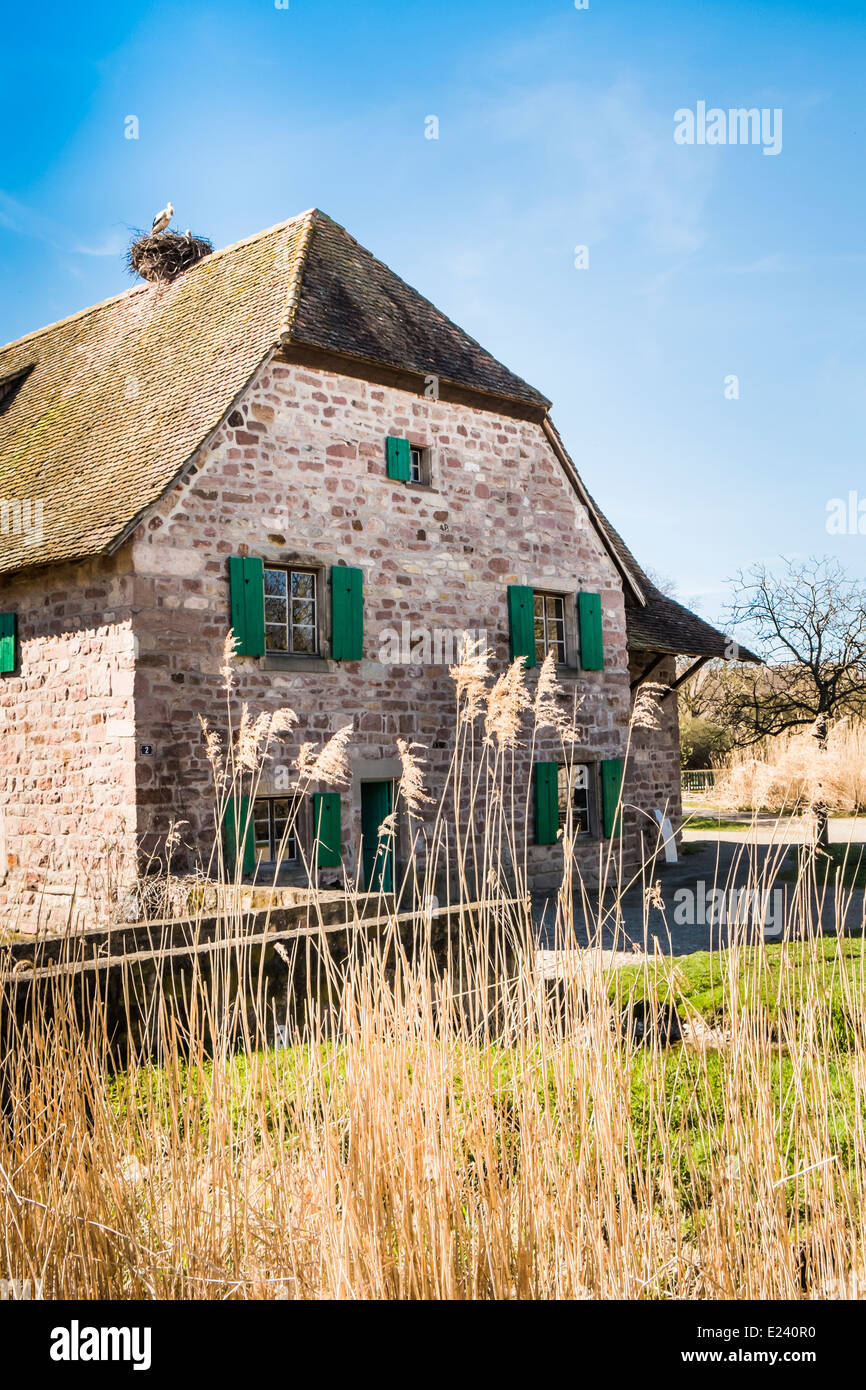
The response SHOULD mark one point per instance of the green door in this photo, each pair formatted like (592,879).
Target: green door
(377,802)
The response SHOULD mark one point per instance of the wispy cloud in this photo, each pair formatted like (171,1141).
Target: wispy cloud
(612,161)
(27,222)
(112,244)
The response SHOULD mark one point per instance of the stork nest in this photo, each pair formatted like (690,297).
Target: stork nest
(162,256)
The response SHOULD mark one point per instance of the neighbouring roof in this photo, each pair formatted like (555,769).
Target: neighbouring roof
(100,413)
(662,624)
(654,622)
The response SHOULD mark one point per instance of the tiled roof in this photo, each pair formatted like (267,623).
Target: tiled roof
(99,413)
(119,397)
(123,394)
(351,303)
(662,624)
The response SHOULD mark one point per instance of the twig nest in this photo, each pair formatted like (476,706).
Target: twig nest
(163,256)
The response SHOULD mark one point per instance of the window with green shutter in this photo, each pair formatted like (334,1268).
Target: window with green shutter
(291,611)
(399,456)
(327,829)
(591,641)
(8,642)
(347,613)
(546,803)
(521,619)
(247,582)
(238,828)
(611,792)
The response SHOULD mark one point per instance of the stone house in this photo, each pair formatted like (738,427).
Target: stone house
(289,439)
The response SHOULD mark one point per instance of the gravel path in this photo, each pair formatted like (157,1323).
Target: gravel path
(677,918)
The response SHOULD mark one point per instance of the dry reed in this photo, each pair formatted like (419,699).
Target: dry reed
(447,1131)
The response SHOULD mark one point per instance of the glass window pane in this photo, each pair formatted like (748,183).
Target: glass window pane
(275,610)
(302,584)
(303,639)
(276,640)
(275,581)
(302,613)
(562,787)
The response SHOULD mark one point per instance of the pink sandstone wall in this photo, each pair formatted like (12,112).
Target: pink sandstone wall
(67,750)
(125,652)
(654,763)
(298,475)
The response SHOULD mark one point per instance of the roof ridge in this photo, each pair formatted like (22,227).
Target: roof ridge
(294,289)
(257,236)
(141,289)
(317,216)
(70,318)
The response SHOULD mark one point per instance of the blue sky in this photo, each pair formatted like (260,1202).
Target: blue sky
(555,131)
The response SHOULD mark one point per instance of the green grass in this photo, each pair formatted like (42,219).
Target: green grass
(769,981)
(849,859)
(718,822)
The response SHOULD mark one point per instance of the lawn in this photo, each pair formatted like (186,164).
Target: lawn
(714,823)
(848,861)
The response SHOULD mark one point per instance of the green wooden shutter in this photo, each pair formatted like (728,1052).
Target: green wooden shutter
(546,803)
(591,643)
(247,580)
(377,803)
(398,460)
(8,635)
(521,617)
(611,790)
(326,823)
(237,823)
(347,613)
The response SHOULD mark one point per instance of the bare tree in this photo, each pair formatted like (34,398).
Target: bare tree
(809,621)
(810,625)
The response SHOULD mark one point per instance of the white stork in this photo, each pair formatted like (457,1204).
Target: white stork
(162,219)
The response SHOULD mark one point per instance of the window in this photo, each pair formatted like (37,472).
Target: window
(10,386)
(575,790)
(549,613)
(416,466)
(291,611)
(271,817)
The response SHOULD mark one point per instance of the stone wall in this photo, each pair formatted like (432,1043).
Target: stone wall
(654,780)
(67,751)
(121,657)
(298,475)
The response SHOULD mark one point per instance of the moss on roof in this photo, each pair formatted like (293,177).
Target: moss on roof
(104,409)
(122,395)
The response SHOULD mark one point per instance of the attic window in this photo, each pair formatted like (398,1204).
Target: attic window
(419,466)
(10,386)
